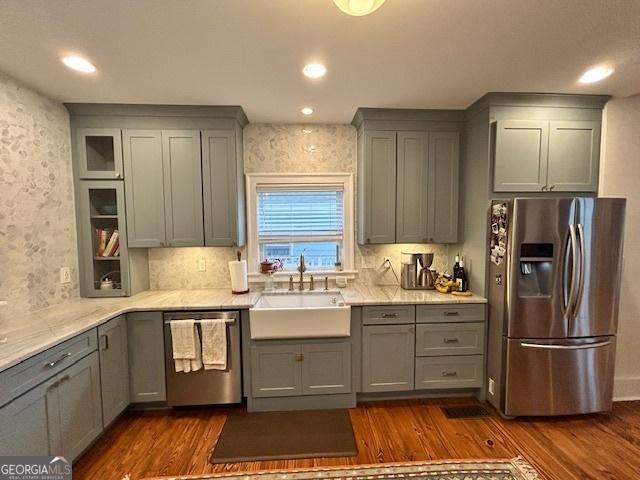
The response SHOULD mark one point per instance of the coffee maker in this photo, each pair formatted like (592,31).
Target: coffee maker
(415,273)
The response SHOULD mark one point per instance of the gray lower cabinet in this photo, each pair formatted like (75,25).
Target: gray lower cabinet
(182,188)
(376,187)
(388,355)
(326,368)
(144,188)
(574,151)
(275,370)
(80,406)
(223,189)
(289,369)
(30,424)
(449,372)
(434,339)
(114,368)
(146,357)
(444,160)
(61,416)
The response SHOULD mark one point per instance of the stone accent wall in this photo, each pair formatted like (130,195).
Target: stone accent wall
(37,221)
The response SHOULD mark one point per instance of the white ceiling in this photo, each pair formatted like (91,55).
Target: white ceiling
(408,54)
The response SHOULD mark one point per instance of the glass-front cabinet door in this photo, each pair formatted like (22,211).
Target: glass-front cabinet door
(104,257)
(99,153)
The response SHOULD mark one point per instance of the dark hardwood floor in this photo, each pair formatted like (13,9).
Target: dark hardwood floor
(605,446)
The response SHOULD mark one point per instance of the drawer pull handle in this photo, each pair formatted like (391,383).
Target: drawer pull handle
(449,374)
(105,342)
(451,340)
(452,314)
(64,356)
(389,315)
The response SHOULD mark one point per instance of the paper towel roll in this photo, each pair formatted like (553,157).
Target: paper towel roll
(238,272)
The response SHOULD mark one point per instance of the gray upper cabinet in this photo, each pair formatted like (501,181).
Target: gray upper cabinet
(377,188)
(521,149)
(574,150)
(114,368)
(326,368)
(182,188)
(146,357)
(144,188)
(546,156)
(444,161)
(80,405)
(408,173)
(388,358)
(223,189)
(411,184)
(99,153)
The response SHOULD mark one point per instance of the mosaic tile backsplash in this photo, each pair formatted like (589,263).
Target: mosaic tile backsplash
(284,149)
(37,227)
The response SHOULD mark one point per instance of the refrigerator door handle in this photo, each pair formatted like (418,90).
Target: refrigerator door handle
(580,289)
(570,291)
(583,346)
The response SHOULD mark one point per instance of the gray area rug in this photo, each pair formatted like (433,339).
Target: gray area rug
(513,469)
(249,437)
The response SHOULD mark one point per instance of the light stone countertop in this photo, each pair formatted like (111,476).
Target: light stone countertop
(32,333)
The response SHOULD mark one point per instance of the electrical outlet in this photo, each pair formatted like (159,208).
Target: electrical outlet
(65,275)
(202,265)
(492,386)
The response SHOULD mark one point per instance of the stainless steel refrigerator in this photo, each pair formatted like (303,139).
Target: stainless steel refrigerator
(554,280)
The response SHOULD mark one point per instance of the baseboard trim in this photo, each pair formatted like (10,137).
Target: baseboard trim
(626,389)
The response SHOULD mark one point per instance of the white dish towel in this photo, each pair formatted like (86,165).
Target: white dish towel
(214,344)
(185,343)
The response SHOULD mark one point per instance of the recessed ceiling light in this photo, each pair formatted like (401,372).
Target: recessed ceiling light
(79,64)
(358,8)
(314,70)
(307,111)
(596,74)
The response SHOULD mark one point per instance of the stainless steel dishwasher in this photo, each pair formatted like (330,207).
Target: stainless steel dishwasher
(205,387)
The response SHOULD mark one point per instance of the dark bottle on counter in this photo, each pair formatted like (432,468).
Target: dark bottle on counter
(461,277)
(456,268)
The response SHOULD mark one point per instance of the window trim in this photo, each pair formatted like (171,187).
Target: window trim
(346,180)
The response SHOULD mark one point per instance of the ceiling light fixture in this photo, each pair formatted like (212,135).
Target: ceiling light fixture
(314,70)
(358,8)
(596,74)
(307,111)
(79,64)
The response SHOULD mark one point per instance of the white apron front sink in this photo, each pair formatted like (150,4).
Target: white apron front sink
(300,315)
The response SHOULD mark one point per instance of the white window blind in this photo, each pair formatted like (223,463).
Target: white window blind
(312,213)
(296,219)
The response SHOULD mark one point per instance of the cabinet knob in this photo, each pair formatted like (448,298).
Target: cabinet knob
(552,187)
(544,189)
(299,358)
(117,174)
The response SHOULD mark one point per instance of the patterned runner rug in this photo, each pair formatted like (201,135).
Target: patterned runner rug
(513,469)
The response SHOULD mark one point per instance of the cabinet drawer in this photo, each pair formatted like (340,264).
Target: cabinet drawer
(450,313)
(388,315)
(449,372)
(35,370)
(449,339)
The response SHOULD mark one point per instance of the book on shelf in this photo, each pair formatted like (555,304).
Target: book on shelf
(107,242)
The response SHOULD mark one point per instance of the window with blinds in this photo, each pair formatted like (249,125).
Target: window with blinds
(292,220)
